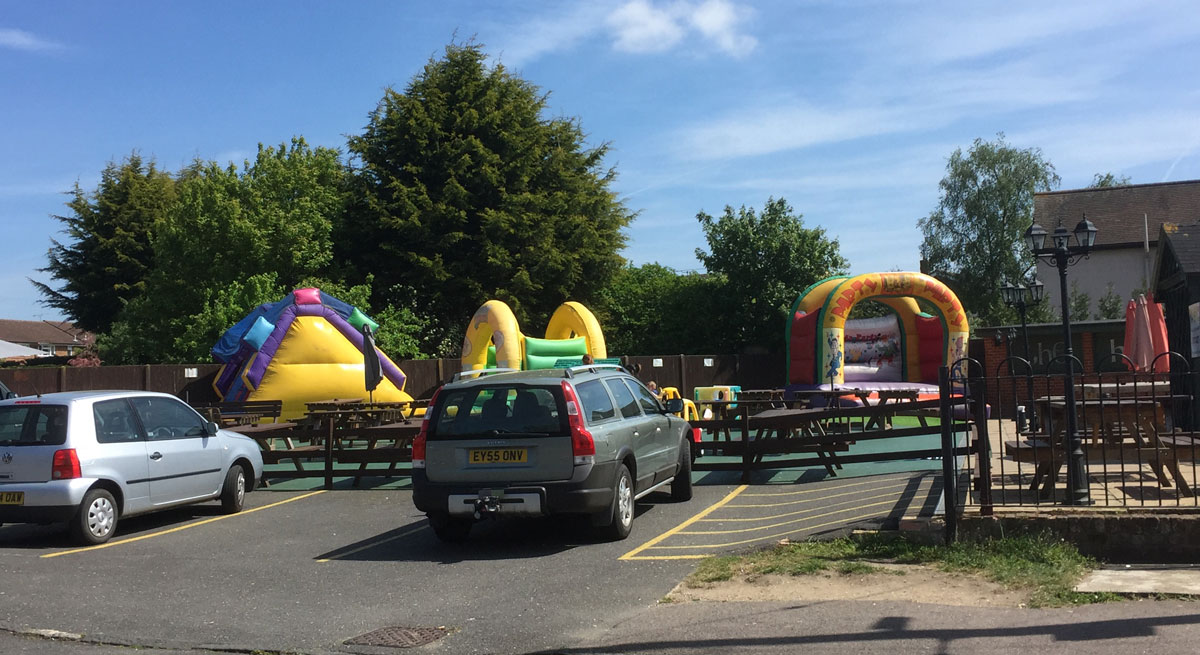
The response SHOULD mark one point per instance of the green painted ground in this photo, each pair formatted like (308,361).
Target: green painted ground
(784,476)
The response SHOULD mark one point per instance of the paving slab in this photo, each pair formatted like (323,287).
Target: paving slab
(1135,580)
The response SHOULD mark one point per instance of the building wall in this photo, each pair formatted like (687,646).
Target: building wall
(1128,269)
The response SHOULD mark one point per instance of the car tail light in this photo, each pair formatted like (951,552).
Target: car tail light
(418,445)
(583,446)
(66,465)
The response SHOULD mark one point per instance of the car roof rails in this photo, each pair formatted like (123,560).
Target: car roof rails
(592,368)
(463,375)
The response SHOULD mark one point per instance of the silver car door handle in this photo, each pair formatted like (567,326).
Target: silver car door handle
(156,456)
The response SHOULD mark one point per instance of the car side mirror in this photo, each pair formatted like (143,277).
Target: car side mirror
(675,405)
(210,428)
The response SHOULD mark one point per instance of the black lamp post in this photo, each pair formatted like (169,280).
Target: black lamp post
(1023,297)
(1063,253)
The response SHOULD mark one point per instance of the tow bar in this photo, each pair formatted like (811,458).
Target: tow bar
(486,506)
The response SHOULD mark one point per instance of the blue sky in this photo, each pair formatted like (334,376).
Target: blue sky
(846,109)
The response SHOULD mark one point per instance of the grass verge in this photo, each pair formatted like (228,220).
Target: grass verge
(1046,568)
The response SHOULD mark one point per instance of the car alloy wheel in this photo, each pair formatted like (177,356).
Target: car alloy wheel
(624,501)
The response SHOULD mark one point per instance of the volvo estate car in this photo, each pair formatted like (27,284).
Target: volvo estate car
(587,440)
(92,458)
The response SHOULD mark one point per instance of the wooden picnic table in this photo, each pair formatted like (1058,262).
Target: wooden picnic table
(1132,389)
(1112,430)
(787,428)
(332,403)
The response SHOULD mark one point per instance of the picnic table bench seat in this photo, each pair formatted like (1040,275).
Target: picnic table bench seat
(241,412)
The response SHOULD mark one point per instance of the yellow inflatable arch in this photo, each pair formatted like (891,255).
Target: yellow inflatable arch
(495,324)
(843,295)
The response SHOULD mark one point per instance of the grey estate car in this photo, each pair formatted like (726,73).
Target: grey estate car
(586,440)
(92,457)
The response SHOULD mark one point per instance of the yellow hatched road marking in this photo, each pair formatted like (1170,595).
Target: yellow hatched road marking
(814,516)
(793,502)
(374,544)
(738,543)
(711,508)
(799,511)
(182,527)
(817,490)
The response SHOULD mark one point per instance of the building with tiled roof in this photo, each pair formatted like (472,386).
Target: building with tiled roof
(54,338)
(1129,220)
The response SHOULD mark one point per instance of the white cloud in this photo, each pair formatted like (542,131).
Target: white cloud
(550,32)
(719,20)
(22,40)
(760,132)
(640,27)
(632,26)
(1081,148)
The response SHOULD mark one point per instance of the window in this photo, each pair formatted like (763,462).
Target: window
(41,425)
(167,418)
(597,406)
(649,403)
(509,409)
(115,422)
(629,406)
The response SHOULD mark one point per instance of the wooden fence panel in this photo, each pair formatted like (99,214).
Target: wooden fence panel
(29,381)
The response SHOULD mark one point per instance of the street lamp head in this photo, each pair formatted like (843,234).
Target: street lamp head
(1009,293)
(1061,237)
(1085,234)
(1037,291)
(1035,237)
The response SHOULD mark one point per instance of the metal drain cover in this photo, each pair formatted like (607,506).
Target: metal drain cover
(399,637)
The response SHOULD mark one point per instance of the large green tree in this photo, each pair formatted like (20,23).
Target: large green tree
(654,310)
(464,190)
(973,239)
(107,258)
(765,259)
(234,239)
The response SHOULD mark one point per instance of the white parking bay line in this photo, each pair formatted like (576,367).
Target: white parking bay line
(177,529)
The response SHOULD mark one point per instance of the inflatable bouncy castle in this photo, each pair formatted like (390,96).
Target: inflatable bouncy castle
(904,348)
(306,347)
(494,340)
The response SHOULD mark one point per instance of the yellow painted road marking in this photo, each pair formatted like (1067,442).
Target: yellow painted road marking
(373,544)
(711,508)
(799,511)
(781,534)
(182,527)
(789,503)
(774,536)
(815,516)
(820,489)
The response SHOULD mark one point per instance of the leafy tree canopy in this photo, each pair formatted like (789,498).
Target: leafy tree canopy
(108,256)
(766,259)
(652,309)
(233,240)
(1109,180)
(973,239)
(464,191)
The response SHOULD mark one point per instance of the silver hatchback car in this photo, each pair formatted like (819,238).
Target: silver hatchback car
(588,440)
(92,457)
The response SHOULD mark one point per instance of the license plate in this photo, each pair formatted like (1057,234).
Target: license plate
(498,456)
(12,497)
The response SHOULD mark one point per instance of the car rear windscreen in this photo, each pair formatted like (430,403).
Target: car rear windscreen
(33,425)
(500,409)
